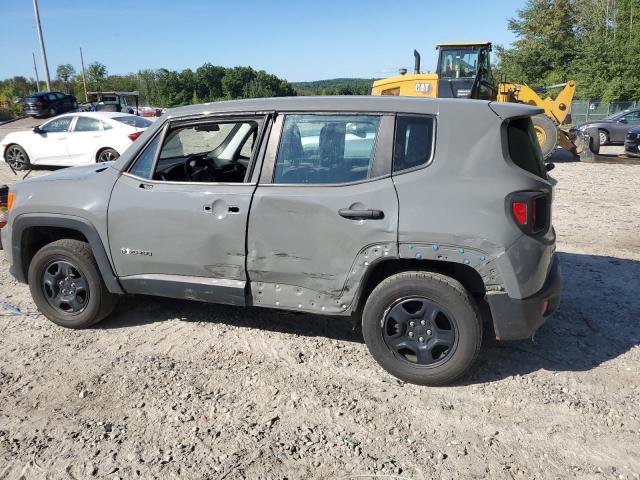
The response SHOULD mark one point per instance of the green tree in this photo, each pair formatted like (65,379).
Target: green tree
(546,43)
(96,73)
(235,80)
(208,82)
(64,73)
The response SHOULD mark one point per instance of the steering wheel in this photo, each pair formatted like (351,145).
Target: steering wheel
(191,171)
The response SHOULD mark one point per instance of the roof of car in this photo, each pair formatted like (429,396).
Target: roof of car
(101,114)
(41,94)
(389,104)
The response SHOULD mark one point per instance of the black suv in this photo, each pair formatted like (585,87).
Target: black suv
(49,104)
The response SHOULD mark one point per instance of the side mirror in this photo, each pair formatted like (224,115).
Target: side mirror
(549,166)
(622,120)
(36,129)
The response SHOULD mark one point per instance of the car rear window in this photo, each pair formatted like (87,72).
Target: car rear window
(134,121)
(524,148)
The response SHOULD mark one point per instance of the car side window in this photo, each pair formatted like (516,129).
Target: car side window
(632,117)
(413,145)
(51,97)
(86,124)
(57,125)
(143,165)
(212,152)
(106,126)
(326,149)
(59,96)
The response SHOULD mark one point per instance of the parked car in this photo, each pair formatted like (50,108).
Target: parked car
(49,104)
(632,142)
(4,193)
(371,207)
(126,102)
(612,129)
(73,139)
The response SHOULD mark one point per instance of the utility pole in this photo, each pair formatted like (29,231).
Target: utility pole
(84,78)
(36,70)
(44,52)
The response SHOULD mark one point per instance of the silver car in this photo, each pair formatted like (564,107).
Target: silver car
(374,208)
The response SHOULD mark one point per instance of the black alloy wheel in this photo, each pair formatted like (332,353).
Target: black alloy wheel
(107,155)
(16,157)
(419,331)
(64,287)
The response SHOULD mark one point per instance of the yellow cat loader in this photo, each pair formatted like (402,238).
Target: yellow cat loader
(464,71)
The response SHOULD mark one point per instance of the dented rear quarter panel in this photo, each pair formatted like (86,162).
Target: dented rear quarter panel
(458,203)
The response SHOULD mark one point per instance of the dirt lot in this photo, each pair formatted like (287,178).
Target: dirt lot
(171,389)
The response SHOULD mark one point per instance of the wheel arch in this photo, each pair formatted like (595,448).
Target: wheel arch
(466,275)
(21,145)
(31,232)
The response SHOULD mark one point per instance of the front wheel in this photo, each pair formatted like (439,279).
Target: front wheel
(546,132)
(107,155)
(604,137)
(66,284)
(422,327)
(17,157)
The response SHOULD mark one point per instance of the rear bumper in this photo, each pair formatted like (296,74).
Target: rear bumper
(515,319)
(33,110)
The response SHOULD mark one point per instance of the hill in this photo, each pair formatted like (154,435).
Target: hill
(334,86)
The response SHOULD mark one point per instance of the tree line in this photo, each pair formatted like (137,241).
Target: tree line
(159,87)
(595,42)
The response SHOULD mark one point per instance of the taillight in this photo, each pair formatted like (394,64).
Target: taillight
(519,210)
(40,103)
(10,198)
(530,210)
(133,136)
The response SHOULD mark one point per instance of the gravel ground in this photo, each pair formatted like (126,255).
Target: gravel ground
(172,389)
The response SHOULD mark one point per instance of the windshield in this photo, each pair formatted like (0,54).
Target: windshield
(134,121)
(458,63)
(617,115)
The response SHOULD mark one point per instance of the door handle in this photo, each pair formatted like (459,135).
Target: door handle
(230,209)
(361,214)
(145,186)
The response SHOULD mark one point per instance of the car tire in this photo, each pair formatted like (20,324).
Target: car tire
(52,112)
(604,137)
(17,157)
(74,105)
(66,285)
(419,354)
(107,155)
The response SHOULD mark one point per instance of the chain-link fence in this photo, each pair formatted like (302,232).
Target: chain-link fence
(584,110)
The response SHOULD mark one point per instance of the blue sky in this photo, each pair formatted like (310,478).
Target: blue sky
(297,40)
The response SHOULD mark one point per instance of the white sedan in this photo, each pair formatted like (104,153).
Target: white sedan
(73,139)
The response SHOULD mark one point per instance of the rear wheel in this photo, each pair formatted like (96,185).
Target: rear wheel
(66,285)
(16,156)
(52,112)
(422,327)
(547,133)
(107,155)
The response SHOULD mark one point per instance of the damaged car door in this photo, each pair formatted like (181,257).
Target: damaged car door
(178,215)
(324,210)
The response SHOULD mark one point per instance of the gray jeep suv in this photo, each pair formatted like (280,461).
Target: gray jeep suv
(409,213)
